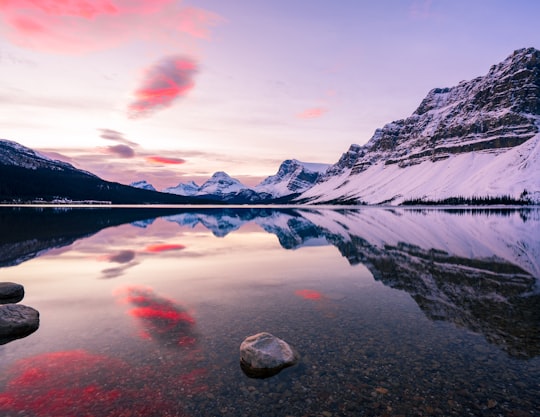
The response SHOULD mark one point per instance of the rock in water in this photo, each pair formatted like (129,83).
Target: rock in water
(11,292)
(17,321)
(264,355)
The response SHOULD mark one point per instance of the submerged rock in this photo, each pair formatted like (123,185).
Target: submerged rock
(17,321)
(263,355)
(11,292)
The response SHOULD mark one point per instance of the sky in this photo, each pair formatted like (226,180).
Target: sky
(174,90)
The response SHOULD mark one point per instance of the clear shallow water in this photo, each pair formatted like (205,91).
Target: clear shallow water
(393,312)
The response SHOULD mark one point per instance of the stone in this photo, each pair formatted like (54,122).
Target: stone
(263,355)
(17,321)
(11,292)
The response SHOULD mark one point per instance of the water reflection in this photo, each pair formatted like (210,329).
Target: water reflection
(125,259)
(162,319)
(27,232)
(309,294)
(478,269)
(403,331)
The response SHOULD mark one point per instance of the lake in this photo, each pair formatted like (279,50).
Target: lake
(394,312)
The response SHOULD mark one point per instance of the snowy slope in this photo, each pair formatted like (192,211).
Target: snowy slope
(473,174)
(15,154)
(477,139)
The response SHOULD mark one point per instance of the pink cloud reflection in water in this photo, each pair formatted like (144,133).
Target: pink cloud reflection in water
(309,294)
(83,384)
(161,319)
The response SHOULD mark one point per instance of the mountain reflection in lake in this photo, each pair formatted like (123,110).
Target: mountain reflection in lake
(393,312)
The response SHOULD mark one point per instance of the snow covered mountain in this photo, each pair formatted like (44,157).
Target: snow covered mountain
(221,188)
(292,177)
(189,188)
(477,139)
(221,183)
(143,185)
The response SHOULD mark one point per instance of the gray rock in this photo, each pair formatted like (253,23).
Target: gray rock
(17,321)
(263,355)
(11,292)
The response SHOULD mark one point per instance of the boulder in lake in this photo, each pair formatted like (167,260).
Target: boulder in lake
(263,355)
(11,292)
(17,321)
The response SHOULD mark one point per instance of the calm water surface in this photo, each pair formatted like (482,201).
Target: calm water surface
(393,312)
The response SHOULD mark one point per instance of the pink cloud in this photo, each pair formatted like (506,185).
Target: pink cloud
(168,79)
(163,160)
(81,8)
(312,113)
(76,26)
(195,22)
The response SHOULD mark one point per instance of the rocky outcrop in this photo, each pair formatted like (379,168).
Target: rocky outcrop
(263,355)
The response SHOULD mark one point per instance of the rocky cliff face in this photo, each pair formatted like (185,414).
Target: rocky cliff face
(456,134)
(492,112)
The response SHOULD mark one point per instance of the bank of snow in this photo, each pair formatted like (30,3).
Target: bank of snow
(488,173)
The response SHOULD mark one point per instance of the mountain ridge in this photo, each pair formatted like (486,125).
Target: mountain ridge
(29,177)
(476,142)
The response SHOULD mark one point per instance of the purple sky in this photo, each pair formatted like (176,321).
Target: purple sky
(171,91)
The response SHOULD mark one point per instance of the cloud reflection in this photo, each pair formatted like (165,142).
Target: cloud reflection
(161,319)
(126,259)
(77,382)
(309,294)
(163,247)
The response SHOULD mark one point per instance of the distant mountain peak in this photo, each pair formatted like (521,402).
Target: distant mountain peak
(220,174)
(143,185)
(189,188)
(293,176)
(221,183)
